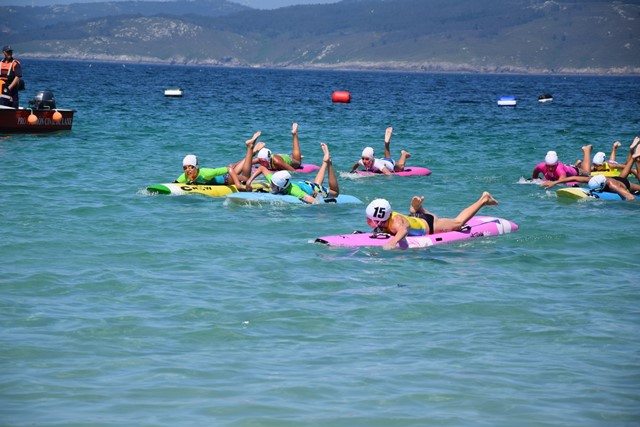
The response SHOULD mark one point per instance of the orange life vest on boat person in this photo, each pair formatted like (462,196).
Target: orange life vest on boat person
(5,95)
(7,68)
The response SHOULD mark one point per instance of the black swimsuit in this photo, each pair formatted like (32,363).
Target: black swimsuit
(625,181)
(427,217)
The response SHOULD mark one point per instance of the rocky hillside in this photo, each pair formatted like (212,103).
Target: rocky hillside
(534,36)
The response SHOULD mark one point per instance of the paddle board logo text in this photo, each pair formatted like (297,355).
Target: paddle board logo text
(46,121)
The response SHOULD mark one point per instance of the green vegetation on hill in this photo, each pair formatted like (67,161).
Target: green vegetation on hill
(570,36)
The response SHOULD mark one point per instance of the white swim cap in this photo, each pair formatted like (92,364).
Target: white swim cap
(281,179)
(264,154)
(190,160)
(368,153)
(551,158)
(597,183)
(599,158)
(379,210)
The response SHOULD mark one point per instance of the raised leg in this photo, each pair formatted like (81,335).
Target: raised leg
(387,142)
(416,204)
(399,166)
(585,166)
(334,188)
(447,224)
(614,150)
(296,154)
(628,165)
(243,167)
(636,158)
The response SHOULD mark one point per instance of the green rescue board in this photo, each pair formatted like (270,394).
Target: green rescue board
(177,189)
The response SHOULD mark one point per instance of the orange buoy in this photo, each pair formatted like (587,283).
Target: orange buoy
(341,96)
(56,117)
(32,119)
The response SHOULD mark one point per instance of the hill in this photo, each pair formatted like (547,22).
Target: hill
(528,36)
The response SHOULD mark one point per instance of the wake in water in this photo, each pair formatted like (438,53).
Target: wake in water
(536,181)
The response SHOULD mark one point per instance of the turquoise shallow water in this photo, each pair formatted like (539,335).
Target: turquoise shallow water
(121,308)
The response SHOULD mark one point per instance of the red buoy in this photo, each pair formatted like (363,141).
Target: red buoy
(341,96)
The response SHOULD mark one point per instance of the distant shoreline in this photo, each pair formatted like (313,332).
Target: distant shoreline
(391,66)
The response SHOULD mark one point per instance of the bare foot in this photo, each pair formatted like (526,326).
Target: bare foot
(616,144)
(587,148)
(416,204)
(387,135)
(635,142)
(488,199)
(259,146)
(294,129)
(325,150)
(637,153)
(252,141)
(406,154)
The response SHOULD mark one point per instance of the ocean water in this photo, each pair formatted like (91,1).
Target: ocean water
(122,308)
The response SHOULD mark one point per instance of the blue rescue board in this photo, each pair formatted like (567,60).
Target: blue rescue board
(248,198)
(583,193)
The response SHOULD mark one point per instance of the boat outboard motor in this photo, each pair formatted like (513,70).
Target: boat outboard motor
(44,100)
(5,96)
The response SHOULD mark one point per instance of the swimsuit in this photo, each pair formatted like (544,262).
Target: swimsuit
(625,181)
(211,176)
(313,189)
(553,175)
(379,164)
(416,227)
(284,157)
(427,217)
(292,190)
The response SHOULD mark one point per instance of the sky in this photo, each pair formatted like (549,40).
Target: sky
(256,4)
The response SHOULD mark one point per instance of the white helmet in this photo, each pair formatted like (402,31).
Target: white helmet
(379,210)
(281,179)
(190,160)
(599,158)
(368,153)
(597,183)
(264,154)
(551,158)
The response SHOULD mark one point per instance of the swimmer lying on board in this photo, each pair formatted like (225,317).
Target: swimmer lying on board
(304,190)
(614,184)
(228,175)
(419,222)
(276,162)
(385,165)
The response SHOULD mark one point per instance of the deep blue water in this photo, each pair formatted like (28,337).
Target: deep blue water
(122,308)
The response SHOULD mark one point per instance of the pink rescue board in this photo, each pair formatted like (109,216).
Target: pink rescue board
(478,226)
(408,171)
(305,168)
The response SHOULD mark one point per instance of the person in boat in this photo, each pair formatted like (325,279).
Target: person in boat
(386,165)
(10,74)
(276,162)
(614,184)
(552,170)
(419,222)
(306,191)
